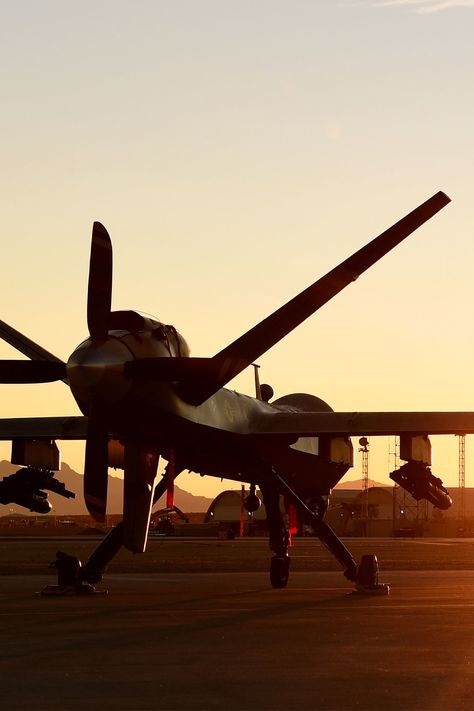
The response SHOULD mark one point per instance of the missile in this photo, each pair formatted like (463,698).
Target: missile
(417,479)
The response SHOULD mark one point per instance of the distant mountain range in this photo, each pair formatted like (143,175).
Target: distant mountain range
(357,484)
(74,507)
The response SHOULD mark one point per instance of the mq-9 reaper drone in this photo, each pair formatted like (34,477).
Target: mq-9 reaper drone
(143,396)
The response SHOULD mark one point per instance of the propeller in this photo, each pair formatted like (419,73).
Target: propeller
(99,300)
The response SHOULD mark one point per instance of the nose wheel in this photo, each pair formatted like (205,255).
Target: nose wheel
(279,571)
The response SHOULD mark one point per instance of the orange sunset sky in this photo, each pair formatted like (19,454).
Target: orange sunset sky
(236,151)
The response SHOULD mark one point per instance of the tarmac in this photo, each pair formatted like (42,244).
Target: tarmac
(227,640)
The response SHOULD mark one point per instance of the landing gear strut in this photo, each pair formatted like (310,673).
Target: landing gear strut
(279,537)
(365,576)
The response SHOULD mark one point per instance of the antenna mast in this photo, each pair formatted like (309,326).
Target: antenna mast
(364,448)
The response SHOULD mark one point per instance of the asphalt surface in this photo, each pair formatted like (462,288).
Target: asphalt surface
(226,640)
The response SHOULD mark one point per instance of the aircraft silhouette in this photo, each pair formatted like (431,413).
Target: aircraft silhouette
(142,396)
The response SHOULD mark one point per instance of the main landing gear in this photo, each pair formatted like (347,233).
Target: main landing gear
(279,537)
(365,575)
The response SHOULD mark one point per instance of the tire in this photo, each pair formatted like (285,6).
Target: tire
(279,571)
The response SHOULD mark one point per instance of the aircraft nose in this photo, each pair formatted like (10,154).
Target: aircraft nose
(96,371)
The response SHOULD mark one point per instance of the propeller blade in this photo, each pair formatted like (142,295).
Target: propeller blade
(171,369)
(246,349)
(96,467)
(138,494)
(28,347)
(99,295)
(31,371)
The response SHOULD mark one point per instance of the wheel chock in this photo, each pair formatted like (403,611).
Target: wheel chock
(70,590)
(379,589)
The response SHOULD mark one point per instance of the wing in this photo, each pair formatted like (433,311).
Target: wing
(310,424)
(43,427)
(28,486)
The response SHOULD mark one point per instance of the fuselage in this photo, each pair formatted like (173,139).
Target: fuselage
(212,438)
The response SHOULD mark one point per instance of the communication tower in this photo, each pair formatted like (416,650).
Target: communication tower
(462,477)
(364,448)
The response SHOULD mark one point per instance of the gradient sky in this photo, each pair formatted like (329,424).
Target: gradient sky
(236,151)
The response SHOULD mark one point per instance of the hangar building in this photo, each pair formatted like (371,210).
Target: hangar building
(391,512)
